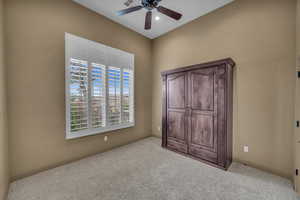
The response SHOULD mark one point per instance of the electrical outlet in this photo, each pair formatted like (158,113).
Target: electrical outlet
(105,138)
(158,128)
(246,149)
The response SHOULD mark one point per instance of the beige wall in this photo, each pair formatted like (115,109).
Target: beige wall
(296,143)
(35,56)
(298,29)
(260,36)
(4,166)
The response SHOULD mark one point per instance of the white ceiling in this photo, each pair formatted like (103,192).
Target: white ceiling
(191,9)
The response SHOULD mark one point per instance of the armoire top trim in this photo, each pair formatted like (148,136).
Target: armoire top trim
(228,61)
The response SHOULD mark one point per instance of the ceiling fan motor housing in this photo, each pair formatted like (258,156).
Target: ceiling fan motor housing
(150,4)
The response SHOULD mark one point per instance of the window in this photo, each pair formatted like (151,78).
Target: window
(99,88)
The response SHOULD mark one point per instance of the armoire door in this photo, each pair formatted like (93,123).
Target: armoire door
(202,106)
(176,112)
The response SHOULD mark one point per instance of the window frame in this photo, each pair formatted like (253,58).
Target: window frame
(100,130)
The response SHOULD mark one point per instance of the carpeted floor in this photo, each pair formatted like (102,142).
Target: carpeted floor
(145,171)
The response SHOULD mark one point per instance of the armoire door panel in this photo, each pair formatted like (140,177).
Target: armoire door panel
(202,131)
(176,85)
(202,89)
(176,125)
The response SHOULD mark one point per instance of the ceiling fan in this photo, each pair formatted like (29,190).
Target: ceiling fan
(150,5)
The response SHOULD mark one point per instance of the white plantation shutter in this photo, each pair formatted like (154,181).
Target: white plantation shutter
(114,95)
(99,88)
(127,97)
(78,94)
(98,94)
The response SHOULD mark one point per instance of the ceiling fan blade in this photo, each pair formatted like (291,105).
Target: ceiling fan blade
(170,13)
(129,10)
(148,21)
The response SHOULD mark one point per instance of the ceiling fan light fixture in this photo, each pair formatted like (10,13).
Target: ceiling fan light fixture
(157,18)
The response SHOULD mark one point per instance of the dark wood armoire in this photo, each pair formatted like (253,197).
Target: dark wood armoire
(197,111)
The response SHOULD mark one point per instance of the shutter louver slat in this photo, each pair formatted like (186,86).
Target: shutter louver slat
(98,96)
(78,95)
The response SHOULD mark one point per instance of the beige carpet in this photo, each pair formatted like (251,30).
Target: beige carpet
(145,171)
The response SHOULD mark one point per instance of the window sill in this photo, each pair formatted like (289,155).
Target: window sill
(96,131)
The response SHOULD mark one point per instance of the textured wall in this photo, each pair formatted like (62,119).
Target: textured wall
(260,36)
(36,90)
(4,166)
